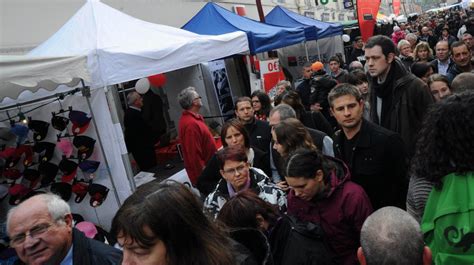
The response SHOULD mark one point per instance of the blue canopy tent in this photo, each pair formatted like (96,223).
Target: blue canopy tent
(314,29)
(213,20)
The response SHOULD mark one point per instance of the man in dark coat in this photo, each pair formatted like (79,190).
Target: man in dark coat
(41,232)
(138,135)
(259,131)
(375,155)
(398,99)
(152,111)
(304,87)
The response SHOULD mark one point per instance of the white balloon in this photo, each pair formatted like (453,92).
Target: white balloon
(346,38)
(142,86)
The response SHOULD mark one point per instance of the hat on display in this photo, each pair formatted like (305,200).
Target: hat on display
(33,176)
(87,228)
(64,190)
(80,188)
(69,169)
(98,194)
(7,137)
(21,133)
(20,151)
(45,151)
(77,218)
(65,146)
(8,154)
(39,128)
(17,192)
(11,173)
(80,121)
(84,145)
(3,191)
(59,122)
(48,172)
(89,166)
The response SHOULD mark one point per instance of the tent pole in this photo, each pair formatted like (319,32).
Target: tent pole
(306,50)
(86,92)
(115,120)
(319,52)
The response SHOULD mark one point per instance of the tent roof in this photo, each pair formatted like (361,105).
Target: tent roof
(21,73)
(314,29)
(121,48)
(213,19)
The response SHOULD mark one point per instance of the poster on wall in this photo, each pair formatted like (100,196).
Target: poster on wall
(221,84)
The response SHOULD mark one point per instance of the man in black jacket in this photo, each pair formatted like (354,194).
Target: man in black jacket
(375,156)
(41,232)
(259,131)
(138,135)
(398,99)
(443,63)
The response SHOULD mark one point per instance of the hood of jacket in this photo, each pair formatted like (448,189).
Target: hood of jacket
(339,173)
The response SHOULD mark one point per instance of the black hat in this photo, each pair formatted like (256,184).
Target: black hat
(45,150)
(59,122)
(39,128)
(98,194)
(48,172)
(80,188)
(84,145)
(69,169)
(64,190)
(32,175)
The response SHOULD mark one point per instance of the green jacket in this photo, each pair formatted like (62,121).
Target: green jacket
(448,221)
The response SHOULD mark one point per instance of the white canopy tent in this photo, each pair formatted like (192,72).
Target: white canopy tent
(19,73)
(121,48)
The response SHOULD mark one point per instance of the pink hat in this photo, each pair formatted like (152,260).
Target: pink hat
(87,228)
(65,146)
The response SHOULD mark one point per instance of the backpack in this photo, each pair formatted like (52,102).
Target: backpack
(296,242)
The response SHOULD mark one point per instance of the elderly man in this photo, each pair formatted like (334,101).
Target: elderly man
(138,134)
(41,232)
(392,236)
(197,142)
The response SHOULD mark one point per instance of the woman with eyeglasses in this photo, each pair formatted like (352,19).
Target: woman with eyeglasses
(162,223)
(261,104)
(233,133)
(237,176)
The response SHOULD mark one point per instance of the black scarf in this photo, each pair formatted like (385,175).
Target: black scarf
(384,91)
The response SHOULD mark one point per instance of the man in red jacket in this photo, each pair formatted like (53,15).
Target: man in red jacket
(197,142)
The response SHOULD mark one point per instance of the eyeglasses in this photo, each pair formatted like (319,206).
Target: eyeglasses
(234,171)
(34,232)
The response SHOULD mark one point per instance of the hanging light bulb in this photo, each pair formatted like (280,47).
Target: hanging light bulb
(22,118)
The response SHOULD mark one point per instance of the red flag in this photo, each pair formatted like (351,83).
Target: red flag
(367,15)
(396,7)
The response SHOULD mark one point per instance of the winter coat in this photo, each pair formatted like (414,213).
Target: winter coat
(340,210)
(259,183)
(378,164)
(410,99)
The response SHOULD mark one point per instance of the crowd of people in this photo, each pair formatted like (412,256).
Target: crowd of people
(364,161)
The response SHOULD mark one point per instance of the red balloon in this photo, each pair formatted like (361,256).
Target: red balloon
(157,80)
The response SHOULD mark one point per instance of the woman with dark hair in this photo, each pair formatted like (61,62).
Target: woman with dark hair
(261,105)
(233,133)
(442,183)
(322,193)
(439,86)
(312,119)
(422,70)
(162,223)
(237,176)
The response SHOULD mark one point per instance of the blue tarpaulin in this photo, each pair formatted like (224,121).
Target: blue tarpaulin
(213,20)
(314,29)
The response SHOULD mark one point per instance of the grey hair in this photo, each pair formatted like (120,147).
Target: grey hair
(411,36)
(285,83)
(402,43)
(392,236)
(344,89)
(355,65)
(462,82)
(285,111)
(186,97)
(57,207)
(132,97)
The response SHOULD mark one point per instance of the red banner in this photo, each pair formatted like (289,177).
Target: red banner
(396,7)
(367,15)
